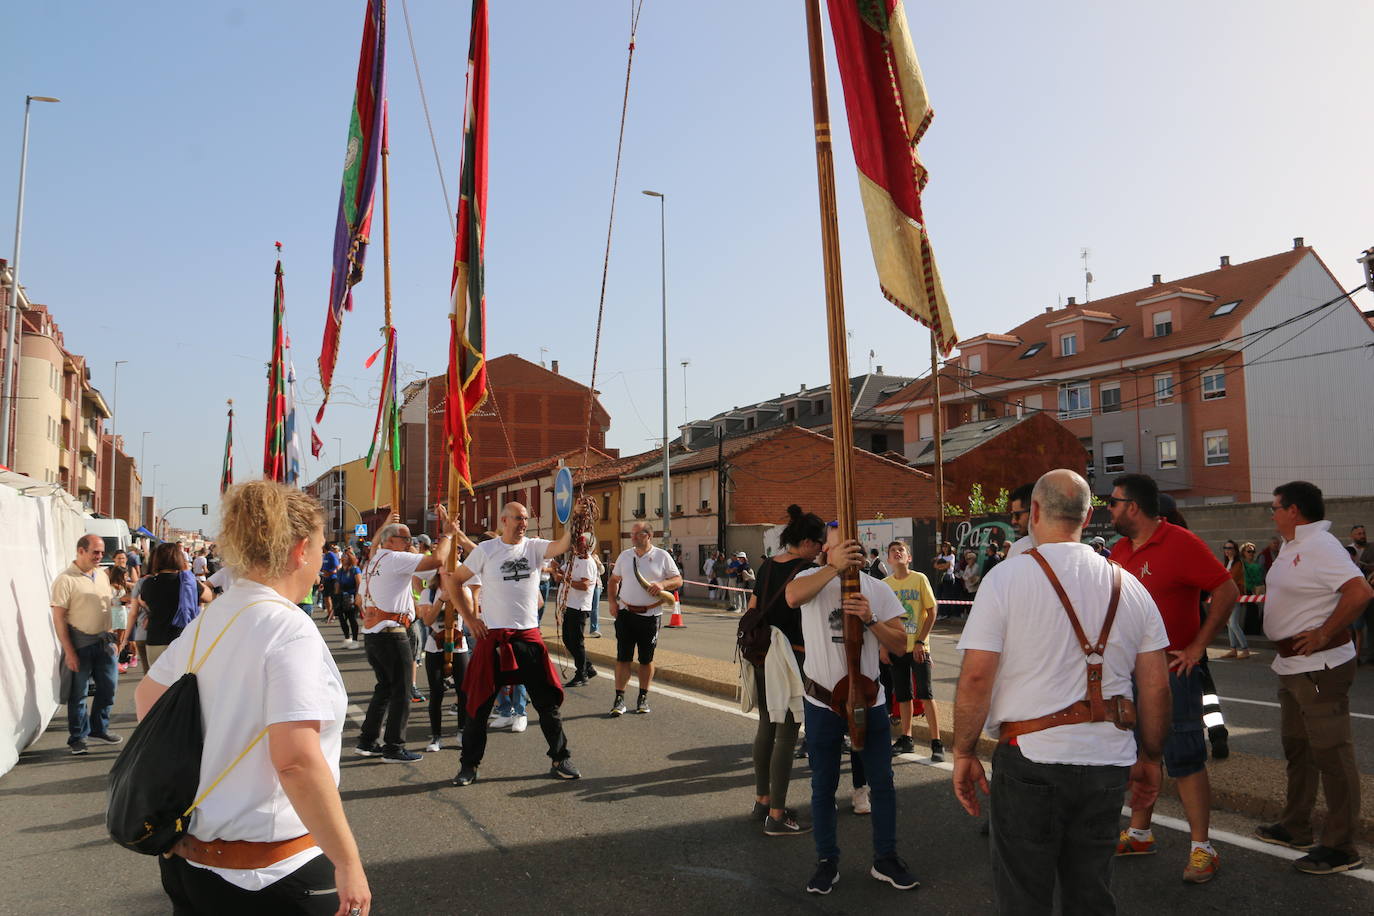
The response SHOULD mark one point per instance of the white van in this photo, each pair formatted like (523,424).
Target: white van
(116,534)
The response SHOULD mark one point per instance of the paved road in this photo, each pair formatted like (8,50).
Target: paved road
(1247,687)
(656,824)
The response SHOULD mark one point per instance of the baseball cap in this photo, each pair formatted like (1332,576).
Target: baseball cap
(1099,542)
(742,554)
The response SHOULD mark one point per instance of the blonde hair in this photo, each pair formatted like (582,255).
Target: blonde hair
(260,521)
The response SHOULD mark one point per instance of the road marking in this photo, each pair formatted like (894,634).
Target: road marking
(1273,705)
(1173,823)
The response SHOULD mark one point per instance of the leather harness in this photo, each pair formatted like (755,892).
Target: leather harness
(239,853)
(1118,710)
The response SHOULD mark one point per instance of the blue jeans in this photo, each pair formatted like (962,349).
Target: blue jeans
(824,735)
(512,702)
(596,603)
(1235,628)
(93,661)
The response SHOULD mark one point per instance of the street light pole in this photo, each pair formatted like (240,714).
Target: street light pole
(685,417)
(13,306)
(114,419)
(337,479)
(663,279)
(142,452)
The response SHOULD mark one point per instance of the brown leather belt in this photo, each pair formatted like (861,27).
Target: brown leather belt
(372,616)
(1286,650)
(639,608)
(239,853)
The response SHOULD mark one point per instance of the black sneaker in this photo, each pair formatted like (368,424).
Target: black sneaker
(642,707)
(894,871)
(467,775)
(578,681)
(368,749)
(1327,861)
(398,754)
(78,748)
(937,751)
(415,695)
(826,876)
(590,673)
(759,812)
(105,739)
(564,769)
(1279,836)
(1221,746)
(618,709)
(787,826)
(904,745)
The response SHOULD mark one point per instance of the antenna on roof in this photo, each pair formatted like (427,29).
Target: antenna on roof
(1087,276)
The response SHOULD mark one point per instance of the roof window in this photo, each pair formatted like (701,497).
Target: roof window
(1032,350)
(1115,332)
(1225,308)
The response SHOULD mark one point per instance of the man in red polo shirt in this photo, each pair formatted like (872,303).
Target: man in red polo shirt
(1175,567)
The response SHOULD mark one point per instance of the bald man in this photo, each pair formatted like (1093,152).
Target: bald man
(637,611)
(509,648)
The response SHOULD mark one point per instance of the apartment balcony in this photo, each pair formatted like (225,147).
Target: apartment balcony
(67,412)
(86,479)
(64,458)
(90,441)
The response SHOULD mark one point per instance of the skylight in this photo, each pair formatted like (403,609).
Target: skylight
(1034,349)
(1115,332)
(1225,308)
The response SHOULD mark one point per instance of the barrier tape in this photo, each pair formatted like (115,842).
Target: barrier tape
(1243,599)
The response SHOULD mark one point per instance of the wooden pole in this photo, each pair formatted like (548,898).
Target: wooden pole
(386,304)
(841,403)
(938,430)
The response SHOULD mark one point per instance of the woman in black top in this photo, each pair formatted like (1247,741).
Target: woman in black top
(346,600)
(802,540)
(161,595)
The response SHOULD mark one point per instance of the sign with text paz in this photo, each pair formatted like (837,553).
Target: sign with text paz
(563,495)
(360,531)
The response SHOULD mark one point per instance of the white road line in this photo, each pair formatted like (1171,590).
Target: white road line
(1273,705)
(1173,823)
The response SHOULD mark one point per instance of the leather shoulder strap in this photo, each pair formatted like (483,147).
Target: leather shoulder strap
(1083,643)
(1101,647)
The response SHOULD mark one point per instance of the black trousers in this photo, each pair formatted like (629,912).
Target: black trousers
(575,639)
(199,892)
(434,672)
(388,652)
(533,662)
(346,609)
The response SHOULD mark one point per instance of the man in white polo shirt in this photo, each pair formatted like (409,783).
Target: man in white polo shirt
(637,612)
(81,599)
(1043,623)
(1313,593)
(388,607)
(509,648)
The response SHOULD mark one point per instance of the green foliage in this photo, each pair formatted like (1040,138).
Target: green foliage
(978,504)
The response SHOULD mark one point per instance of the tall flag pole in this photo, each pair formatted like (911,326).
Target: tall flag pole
(467,367)
(854,690)
(291,433)
(362,160)
(226,474)
(274,443)
(386,431)
(888,109)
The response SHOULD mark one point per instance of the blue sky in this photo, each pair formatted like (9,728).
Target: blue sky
(193,136)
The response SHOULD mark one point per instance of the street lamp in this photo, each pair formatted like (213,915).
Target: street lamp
(685,364)
(114,417)
(663,279)
(335,479)
(13,307)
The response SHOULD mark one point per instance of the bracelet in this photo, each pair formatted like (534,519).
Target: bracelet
(870,622)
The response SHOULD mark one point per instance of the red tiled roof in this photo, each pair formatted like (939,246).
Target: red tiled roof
(534,468)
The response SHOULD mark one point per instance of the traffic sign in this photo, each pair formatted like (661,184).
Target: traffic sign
(563,495)
(360,531)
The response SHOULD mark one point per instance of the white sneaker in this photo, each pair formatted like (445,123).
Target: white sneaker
(519,723)
(861,803)
(349,644)
(433,745)
(501,722)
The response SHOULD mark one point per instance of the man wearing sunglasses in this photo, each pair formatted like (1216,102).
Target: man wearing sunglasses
(81,601)
(1019,505)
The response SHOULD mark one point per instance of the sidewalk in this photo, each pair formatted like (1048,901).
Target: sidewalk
(1243,783)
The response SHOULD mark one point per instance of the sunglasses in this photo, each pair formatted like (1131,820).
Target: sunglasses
(1113,500)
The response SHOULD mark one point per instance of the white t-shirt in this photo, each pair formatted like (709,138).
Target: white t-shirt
(1042,669)
(386,584)
(1020,546)
(654,566)
(577,599)
(199,566)
(510,581)
(1301,591)
(272,665)
(823,631)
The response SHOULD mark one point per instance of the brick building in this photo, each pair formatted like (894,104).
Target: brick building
(530,484)
(1221,385)
(1002,453)
(121,488)
(530,414)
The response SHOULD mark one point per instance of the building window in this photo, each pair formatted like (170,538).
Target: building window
(819,407)
(1032,350)
(791,414)
(879,443)
(1214,385)
(1113,457)
(1068,344)
(1111,397)
(1167,447)
(1164,324)
(925,426)
(1114,333)
(1075,400)
(1087,444)
(1216,445)
(749,423)
(639,504)
(975,362)
(704,491)
(1225,308)
(1164,388)
(1035,402)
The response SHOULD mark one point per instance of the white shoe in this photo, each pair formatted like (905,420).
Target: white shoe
(861,803)
(349,644)
(501,722)
(433,745)
(519,723)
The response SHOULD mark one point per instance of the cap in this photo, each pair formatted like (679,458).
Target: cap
(1098,542)
(742,554)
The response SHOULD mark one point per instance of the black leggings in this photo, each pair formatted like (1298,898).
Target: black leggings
(200,892)
(576,640)
(346,609)
(434,671)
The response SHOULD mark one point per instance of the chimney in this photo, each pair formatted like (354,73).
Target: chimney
(1155,280)
(554,364)
(880,370)
(1073,300)
(1297,241)
(1226,260)
(802,388)
(1049,309)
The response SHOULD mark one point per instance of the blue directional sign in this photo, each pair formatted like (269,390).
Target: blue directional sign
(563,495)
(360,531)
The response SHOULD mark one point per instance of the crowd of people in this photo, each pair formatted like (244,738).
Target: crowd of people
(1091,674)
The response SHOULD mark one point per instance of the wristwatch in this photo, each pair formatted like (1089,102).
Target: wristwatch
(870,621)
